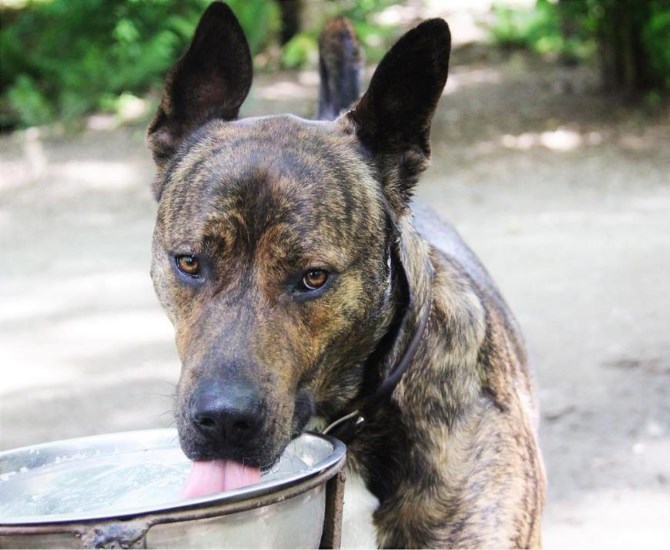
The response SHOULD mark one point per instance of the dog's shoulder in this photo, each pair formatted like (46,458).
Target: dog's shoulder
(475,313)
(444,237)
(463,263)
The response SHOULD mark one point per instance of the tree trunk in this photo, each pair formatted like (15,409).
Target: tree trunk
(290,19)
(623,63)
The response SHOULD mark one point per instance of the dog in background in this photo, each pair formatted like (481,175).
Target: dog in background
(304,282)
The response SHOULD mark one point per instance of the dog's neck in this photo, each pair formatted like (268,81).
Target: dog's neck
(396,352)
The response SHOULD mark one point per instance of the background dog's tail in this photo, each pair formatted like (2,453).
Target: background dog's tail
(340,68)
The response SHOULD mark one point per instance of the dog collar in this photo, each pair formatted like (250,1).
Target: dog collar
(346,427)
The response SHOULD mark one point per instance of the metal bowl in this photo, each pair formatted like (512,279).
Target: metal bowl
(122,490)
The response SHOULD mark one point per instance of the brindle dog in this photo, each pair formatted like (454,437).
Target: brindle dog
(302,281)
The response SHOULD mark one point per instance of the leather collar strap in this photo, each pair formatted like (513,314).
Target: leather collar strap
(346,427)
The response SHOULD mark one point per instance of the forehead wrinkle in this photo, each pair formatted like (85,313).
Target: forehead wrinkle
(267,171)
(317,212)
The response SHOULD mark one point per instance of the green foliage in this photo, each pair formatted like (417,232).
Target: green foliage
(64,58)
(576,30)
(33,106)
(656,37)
(260,20)
(515,28)
(298,51)
(542,29)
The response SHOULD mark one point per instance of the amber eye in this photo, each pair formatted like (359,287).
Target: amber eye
(315,279)
(188,264)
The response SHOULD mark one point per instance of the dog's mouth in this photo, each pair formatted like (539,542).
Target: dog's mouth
(214,472)
(214,476)
(222,466)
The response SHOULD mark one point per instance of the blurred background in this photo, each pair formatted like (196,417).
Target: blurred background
(551,154)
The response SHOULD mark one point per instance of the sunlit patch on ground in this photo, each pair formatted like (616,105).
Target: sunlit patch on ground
(561,140)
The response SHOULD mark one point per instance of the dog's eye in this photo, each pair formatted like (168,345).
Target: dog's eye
(188,264)
(315,279)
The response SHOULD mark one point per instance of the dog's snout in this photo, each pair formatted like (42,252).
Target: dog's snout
(229,414)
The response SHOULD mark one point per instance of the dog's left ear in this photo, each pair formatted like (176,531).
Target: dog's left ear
(211,80)
(393,117)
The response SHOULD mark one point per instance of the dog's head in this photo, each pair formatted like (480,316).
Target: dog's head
(272,244)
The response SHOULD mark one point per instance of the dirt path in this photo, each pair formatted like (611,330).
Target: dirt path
(564,194)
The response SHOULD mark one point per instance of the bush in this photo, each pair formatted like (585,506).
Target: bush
(631,39)
(64,58)
(656,38)
(545,29)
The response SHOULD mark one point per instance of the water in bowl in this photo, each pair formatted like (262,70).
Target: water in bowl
(106,485)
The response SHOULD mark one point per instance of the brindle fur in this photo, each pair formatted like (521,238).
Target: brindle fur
(453,456)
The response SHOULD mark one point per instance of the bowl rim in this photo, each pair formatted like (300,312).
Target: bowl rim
(228,502)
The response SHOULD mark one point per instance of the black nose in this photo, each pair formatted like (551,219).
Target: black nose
(230,413)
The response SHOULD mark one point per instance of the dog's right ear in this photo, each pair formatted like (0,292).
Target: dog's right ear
(211,80)
(393,117)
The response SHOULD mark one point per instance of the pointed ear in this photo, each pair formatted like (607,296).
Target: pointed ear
(393,117)
(211,80)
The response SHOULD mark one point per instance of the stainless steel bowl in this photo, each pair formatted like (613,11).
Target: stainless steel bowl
(121,490)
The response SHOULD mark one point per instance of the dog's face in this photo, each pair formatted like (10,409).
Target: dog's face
(269,256)
(272,244)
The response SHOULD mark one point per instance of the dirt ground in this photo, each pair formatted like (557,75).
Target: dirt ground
(563,192)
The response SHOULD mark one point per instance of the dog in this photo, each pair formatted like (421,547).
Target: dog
(305,283)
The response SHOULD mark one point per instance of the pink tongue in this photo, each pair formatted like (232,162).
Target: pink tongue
(214,476)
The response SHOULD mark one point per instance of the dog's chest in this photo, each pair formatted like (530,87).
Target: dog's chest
(358,530)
